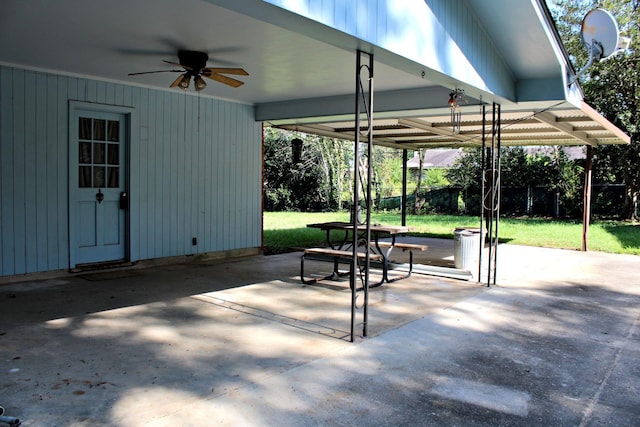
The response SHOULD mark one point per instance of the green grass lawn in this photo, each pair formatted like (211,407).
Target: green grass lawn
(285,230)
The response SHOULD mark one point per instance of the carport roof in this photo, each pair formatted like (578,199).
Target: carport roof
(562,124)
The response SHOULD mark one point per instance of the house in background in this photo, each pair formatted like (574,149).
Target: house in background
(442,158)
(99,167)
(572,152)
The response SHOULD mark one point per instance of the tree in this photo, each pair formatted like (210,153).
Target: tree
(466,173)
(522,170)
(612,88)
(387,170)
(566,179)
(314,183)
(334,163)
(419,201)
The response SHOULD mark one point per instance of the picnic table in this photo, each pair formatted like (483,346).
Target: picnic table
(341,250)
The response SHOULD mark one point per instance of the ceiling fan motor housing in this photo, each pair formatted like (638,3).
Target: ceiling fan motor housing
(194,61)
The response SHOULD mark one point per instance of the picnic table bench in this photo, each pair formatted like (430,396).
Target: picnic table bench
(405,247)
(338,256)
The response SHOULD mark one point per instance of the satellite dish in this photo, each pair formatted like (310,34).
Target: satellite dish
(600,33)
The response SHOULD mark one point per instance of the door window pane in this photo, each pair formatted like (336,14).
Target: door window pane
(99,129)
(113,154)
(85,152)
(98,176)
(113,130)
(84,128)
(98,154)
(84,177)
(114,179)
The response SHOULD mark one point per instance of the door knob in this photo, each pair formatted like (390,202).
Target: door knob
(124,200)
(99,196)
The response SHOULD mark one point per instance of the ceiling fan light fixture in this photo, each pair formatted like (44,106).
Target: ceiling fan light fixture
(185,82)
(199,83)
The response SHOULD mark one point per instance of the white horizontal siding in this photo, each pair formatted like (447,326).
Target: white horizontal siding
(195,170)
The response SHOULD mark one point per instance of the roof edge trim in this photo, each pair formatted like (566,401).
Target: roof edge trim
(602,121)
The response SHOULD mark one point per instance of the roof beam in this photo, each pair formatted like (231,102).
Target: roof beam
(329,132)
(389,104)
(606,124)
(551,120)
(315,130)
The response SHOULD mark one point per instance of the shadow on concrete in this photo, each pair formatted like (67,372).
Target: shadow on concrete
(222,344)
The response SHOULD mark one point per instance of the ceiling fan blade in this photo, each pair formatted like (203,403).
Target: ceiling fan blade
(160,71)
(224,79)
(177,81)
(179,65)
(234,71)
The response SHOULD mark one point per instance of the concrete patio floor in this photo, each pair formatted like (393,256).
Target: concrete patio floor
(243,342)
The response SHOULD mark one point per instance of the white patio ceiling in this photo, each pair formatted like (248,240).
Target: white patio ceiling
(292,62)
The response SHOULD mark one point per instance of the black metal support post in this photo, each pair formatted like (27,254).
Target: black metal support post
(586,213)
(498,184)
(483,190)
(364,98)
(403,207)
(491,197)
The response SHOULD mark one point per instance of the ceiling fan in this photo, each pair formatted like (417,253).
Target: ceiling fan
(194,65)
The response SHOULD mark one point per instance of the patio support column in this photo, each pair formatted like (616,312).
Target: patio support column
(586,211)
(491,199)
(403,202)
(365,241)
(483,191)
